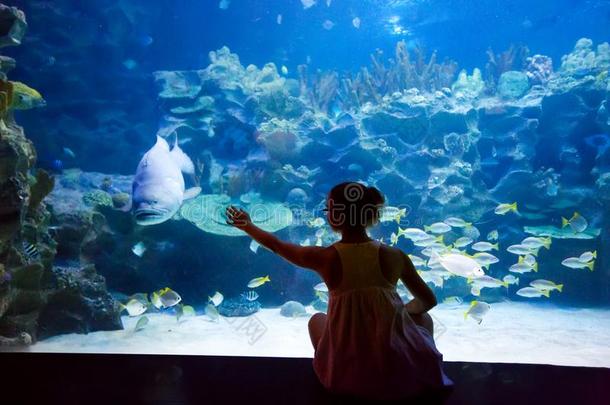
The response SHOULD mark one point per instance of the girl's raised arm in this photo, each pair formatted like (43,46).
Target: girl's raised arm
(303,256)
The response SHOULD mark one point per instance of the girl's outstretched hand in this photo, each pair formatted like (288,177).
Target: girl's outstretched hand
(238,217)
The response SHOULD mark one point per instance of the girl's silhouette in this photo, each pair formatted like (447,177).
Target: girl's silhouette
(370,344)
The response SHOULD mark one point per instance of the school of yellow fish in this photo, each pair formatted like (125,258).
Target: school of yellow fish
(438,260)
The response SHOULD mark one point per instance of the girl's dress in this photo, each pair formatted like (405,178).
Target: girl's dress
(370,346)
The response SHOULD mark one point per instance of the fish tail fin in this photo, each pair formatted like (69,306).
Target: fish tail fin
(591,264)
(267,278)
(559,287)
(122,307)
(595,254)
(535,267)
(547,242)
(564,222)
(426,228)
(495,246)
(546,293)
(535,252)
(521,258)
(505,284)
(513,207)
(517,280)
(440,239)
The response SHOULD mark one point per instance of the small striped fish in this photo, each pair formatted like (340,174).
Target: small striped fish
(250,295)
(31,252)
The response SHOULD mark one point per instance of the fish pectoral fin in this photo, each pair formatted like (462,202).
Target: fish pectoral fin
(192,193)
(182,160)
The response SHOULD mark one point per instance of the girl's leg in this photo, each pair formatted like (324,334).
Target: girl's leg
(316,325)
(424,320)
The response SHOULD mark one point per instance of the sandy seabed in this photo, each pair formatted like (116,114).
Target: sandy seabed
(509,333)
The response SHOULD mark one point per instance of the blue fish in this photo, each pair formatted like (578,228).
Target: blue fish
(57,165)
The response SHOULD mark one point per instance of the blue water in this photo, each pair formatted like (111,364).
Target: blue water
(94,63)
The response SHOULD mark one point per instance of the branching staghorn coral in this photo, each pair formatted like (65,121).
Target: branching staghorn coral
(405,71)
(320,90)
(514,58)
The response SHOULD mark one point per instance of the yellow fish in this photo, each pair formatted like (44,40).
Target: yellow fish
(504,208)
(258,281)
(25,97)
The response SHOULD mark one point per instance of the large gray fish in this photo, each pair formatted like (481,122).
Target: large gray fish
(158,187)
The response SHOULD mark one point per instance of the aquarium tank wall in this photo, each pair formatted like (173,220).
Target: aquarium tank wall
(127,127)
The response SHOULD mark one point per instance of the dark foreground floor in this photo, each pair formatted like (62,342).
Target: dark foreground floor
(134,379)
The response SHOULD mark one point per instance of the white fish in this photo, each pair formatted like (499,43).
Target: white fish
(322,296)
(430,277)
(462,242)
(142,322)
(493,235)
(69,152)
(417,261)
(356,22)
(138,249)
(522,267)
(308,3)
(134,307)
(390,213)
(575,263)
(457,222)
(531,292)
(502,209)
(588,256)
(529,259)
(258,281)
(279,19)
(284,70)
(321,287)
(485,259)
(254,245)
(216,299)
(488,282)
(169,297)
(212,313)
(536,243)
(578,223)
(510,279)
(477,310)
(522,250)
(430,240)
(158,186)
(461,265)
(453,301)
(542,284)
(328,25)
(484,246)
(415,234)
(438,227)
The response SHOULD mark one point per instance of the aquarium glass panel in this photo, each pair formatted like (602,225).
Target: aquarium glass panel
(128,127)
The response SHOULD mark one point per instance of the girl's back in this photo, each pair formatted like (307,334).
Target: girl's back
(371,347)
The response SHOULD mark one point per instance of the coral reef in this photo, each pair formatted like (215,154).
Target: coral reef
(539,69)
(513,84)
(32,289)
(514,58)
